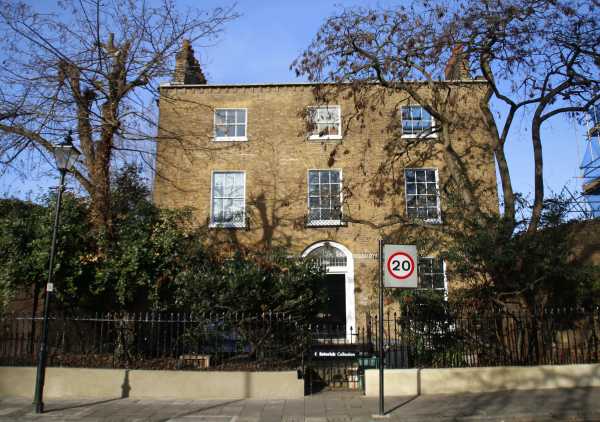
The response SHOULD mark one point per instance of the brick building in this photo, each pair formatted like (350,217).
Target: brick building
(266,165)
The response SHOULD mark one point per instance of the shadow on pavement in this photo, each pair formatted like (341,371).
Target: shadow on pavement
(200,409)
(81,405)
(398,406)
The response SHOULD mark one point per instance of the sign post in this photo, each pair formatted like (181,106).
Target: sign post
(381,353)
(397,270)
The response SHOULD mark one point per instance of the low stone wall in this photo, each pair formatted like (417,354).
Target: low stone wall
(401,382)
(187,385)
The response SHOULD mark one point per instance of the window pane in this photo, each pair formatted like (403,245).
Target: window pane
(220,117)
(326,214)
(431,176)
(314,202)
(324,177)
(322,129)
(325,202)
(217,185)
(420,175)
(335,176)
(237,191)
(238,210)
(217,210)
(230,130)
(220,131)
(325,191)
(320,114)
(227,209)
(410,175)
(314,214)
(411,201)
(335,114)
(240,130)
(335,190)
(230,116)
(438,281)
(405,111)
(415,112)
(240,116)
(313,190)
(313,177)
(431,188)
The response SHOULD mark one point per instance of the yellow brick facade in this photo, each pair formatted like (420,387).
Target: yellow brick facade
(276,159)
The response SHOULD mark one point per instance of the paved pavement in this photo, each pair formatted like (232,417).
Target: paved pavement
(522,406)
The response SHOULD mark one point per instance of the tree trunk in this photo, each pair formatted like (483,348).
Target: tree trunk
(538,202)
(505,180)
(101,200)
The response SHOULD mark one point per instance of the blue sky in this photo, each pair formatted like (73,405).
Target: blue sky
(261,44)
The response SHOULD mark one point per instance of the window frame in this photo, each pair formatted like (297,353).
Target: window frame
(437,220)
(230,138)
(317,137)
(445,288)
(215,224)
(431,135)
(324,223)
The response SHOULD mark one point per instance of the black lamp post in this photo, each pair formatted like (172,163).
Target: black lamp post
(65,155)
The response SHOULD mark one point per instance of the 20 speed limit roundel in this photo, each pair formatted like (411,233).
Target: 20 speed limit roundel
(400,265)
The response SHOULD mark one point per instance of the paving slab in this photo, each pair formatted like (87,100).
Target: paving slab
(581,404)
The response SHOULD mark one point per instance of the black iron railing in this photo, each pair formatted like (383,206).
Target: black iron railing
(447,338)
(418,338)
(269,341)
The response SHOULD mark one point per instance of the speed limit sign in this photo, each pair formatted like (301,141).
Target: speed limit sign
(400,266)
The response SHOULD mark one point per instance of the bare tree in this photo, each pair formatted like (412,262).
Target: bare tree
(540,55)
(536,55)
(93,68)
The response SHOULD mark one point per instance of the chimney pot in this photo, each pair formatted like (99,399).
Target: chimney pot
(187,68)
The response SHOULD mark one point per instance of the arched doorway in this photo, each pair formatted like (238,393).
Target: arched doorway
(339,264)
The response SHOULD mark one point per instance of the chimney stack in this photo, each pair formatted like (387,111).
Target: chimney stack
(457,67)
(187,68)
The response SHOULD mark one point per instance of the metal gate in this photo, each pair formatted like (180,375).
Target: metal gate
(337,358)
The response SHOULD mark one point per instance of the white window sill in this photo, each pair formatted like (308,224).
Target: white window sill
(415,136)
(325,138)
(227,226)
(230,139)
(325,223)
(427,221)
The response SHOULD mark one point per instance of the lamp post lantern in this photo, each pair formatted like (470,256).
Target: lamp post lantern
(65,155)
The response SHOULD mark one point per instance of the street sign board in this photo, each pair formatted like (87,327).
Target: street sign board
(400,266)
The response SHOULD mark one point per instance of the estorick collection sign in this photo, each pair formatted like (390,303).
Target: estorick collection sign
(345,351)
(400,266)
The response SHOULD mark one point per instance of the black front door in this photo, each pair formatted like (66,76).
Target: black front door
(334,307)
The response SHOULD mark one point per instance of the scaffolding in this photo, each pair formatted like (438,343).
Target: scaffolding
(590,165)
